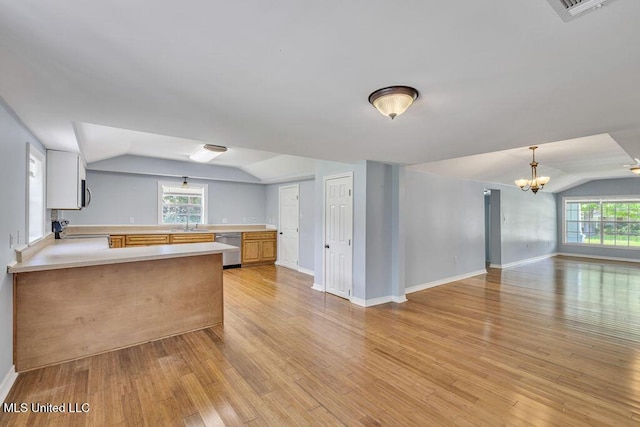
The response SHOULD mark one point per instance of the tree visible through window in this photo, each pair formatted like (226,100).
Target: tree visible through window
(604,222)
(182,204)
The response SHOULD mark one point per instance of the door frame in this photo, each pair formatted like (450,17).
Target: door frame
(278,262)
(324,226)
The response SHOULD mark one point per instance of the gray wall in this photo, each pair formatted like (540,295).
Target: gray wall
(379,216)
(444,222)
(119,196)
(495,233)
(13,173)
(307,217)
(605,187)
(528,224)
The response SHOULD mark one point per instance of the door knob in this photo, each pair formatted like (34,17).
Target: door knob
(326,246)
(280,233)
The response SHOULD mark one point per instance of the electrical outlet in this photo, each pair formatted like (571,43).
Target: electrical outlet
(255,219)
(225,220)
(131,220)
(244,220)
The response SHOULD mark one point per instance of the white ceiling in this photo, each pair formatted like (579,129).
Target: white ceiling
(568,163)
(98,142)
(293,78)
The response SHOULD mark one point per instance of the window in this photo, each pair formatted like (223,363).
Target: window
(36,183)
(180,204)
(603,222)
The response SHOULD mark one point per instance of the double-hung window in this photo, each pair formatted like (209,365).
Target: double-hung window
(602,221)
(182,204)
(36,228)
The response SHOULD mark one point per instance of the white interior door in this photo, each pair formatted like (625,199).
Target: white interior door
(338,235)
(288,232)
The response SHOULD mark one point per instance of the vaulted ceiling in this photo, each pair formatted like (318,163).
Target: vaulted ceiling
(292,78)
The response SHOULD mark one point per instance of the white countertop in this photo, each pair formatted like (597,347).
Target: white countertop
(164,229)
(95,251)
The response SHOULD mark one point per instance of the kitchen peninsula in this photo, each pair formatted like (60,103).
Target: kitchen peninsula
(77,297)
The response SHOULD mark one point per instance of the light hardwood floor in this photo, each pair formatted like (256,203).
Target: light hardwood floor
(556,342)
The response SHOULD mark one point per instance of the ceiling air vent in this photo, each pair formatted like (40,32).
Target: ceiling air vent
(571,9)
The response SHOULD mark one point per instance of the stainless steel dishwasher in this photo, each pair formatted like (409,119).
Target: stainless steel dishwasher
(230,259)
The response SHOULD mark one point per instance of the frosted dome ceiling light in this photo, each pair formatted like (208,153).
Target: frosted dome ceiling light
(393,100)
(207,152)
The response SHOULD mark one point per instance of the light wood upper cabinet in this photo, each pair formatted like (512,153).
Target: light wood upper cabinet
(259,247)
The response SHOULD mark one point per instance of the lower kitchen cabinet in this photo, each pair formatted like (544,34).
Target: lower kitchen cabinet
(191,238)
(259,247)
(116,241)
(131,240)
(146,239)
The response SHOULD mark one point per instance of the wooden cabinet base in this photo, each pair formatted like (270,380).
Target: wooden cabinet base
(71,313)
(259,248)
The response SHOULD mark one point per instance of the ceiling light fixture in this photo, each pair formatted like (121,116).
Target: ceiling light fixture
(536,182)
(393,100)
(635,169)
(577,7)
(207,152)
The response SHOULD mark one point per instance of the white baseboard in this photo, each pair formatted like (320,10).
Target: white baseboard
(435,283)
(306,271)
(605,258)
(7,383)
(400,299)
(377,301)
(317,287)
(524,261)
(297,268)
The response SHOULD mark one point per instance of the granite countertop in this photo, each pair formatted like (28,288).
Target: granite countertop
(69,253)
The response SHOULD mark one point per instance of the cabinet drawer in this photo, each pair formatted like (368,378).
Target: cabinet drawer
(146,239)
(260,235)
(191,238)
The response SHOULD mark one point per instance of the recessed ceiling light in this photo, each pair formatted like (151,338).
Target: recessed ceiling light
(207,152)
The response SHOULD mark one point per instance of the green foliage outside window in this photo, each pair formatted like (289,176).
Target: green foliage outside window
(182,205)
(610,223)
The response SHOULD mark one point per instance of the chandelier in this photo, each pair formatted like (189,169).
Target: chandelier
(536,182)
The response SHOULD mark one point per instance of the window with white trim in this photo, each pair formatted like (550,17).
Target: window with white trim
(602,222)
(36,228)
(182,204)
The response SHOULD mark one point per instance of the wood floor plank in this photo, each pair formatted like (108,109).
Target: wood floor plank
(556,342)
